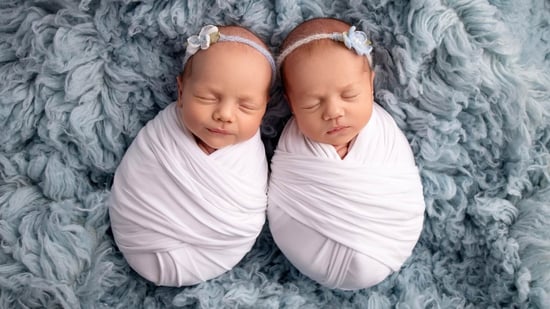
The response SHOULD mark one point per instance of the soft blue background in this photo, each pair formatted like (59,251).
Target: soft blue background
(467,80)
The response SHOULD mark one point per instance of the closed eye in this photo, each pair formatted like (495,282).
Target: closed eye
(349,96)
(248,106)
(311,106)
(206,99)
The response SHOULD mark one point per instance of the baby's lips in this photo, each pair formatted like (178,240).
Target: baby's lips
(336,129)
(219,131)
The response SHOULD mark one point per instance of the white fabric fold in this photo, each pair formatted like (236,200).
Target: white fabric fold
(181,216)
(358,218)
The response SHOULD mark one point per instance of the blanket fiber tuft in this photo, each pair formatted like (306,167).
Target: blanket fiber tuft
(467,81)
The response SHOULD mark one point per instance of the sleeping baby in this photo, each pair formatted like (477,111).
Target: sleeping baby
(189,197)
(345,196)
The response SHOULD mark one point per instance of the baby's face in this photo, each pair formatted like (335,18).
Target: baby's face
(330,89)
(224,97)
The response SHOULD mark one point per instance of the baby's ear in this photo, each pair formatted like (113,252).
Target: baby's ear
(180,82)
(288,103)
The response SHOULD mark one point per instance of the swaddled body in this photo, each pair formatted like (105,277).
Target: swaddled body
(181,216)
(189,197)
(345,196)
(346,223)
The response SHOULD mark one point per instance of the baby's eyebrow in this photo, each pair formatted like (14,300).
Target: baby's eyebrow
(312,95)
(311,91)
(249,99)
(317,94)
(347,86)
(206,88)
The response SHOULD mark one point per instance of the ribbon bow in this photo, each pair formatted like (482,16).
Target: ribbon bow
(357,40)
(209,34)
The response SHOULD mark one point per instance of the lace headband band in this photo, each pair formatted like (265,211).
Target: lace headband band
(210,34)
(356,40)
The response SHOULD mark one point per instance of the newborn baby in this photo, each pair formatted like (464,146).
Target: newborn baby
(189,197)
(345,197)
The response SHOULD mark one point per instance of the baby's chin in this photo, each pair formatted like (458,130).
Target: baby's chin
(336,142)
(341,147)
(205,147)
(211,146)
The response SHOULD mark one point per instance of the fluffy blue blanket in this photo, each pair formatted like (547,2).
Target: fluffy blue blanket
(467,80)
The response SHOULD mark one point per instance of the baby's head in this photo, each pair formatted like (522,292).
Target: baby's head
(224,87)
(329,86)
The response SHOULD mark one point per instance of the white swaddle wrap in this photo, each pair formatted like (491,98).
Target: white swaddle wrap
(346,223)
(181,216)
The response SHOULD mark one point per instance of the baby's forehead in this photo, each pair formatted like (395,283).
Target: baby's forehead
(228,57)
(234,39)
(321,49)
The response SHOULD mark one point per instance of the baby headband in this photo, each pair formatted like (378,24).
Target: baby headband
(210,34)
(356,40)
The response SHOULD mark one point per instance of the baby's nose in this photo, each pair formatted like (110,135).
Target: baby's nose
(224,112)
(333,109)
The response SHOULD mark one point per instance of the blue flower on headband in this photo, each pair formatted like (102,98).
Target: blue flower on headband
(208,34)
(357,40)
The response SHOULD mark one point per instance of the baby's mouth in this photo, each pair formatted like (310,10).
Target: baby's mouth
(337,129)
(218,131)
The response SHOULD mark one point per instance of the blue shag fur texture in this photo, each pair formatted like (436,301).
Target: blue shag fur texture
(467,80)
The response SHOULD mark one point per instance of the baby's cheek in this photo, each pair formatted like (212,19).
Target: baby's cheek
(309,127)
(253,124)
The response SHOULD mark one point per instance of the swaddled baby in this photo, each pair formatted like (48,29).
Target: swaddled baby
(345,197)
(189,197)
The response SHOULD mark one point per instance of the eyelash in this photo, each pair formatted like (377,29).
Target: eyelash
(344,97)
(311,107)
(206,99)
(247,107)
(349,97)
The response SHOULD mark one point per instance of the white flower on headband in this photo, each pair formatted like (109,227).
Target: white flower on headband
(208,34)
(357,40)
